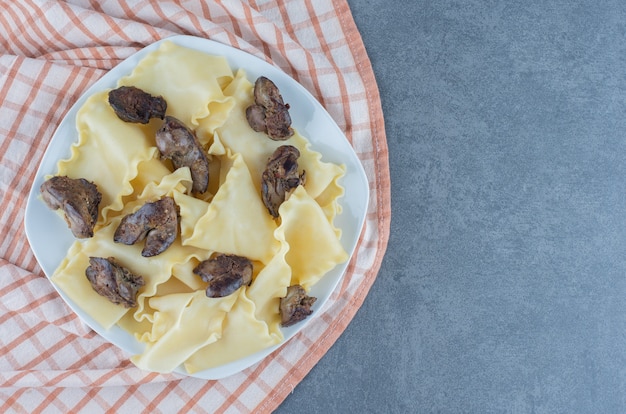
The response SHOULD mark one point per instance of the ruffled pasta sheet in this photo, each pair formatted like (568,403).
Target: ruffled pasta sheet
(191,82)
(182,324)
(314,247)
(187,327)
(243,334)
(108,152)
(174,318)
(255,148)
(236,221)
(70,275)
(309,248)
(268,287)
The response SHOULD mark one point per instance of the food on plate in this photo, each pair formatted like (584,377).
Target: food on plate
(224,274)
(113,281)
(78,198)
(131,104)
(156,222)
(221,215)
(295,306)
(269,113)
(280,177)
(179,144)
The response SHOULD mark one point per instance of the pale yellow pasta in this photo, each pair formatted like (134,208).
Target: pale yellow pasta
(236,221)
(189,80)
(313,245)
(108,151)
(149,171)
(269,286)
(191,210)
(256,148)
(243,334)
(174,319)
(328,200)
(183,272)
(141,326)
(183,323)
(70,276)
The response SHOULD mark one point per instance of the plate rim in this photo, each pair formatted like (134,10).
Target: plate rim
(212,47)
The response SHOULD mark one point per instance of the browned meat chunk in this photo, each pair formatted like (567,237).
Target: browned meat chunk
(131,104)
(78,198)
(225,273)
(255,114)
(179,144)
(269,113)
(155,222)
(113,281)
(280,177)
(296,306)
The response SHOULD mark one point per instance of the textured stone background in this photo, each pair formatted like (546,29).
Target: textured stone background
(504,285)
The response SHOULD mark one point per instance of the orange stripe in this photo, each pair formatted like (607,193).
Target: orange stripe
(154,403)
(195,399)
(381,183)
(248,13)
(78,22)
(193,19)
(350,268)
(342,85)
(85,361)
(159,11)
(18,250)
(234,23)
(32,305)
(21,280)
(15,379)
(45,39)
(290,30)
(8,203)
(130,391)
(206,12)
(51,399)
(5,350)
(89,395)
(251,377)
(11,402)
(33,43)
(53,35)
(47,352)
(17,64)
(382,193)
(116,27)
(130,12)
(26,173)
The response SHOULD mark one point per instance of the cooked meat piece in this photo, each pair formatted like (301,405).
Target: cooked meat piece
(269,113)
(131,104)
(179,144)
(113,281)
(225,273)
(278,123)
(156,222)
(255,114)
(266,93)
(280,177)
(296,306)
(78,198)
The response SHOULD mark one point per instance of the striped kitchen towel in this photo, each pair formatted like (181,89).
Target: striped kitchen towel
(50,53)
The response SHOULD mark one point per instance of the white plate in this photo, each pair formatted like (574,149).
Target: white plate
(50,237)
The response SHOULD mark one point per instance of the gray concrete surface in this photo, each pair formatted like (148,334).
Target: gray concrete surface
(504,286)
